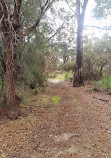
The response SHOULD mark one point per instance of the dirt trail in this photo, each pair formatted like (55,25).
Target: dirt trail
(77,125)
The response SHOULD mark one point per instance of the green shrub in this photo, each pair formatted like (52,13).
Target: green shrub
(66,75)
(104,84)
(53,75)
(67,66)
(36,90)
(56,99)
(69,75)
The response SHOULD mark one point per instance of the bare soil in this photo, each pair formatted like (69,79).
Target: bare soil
(77,126)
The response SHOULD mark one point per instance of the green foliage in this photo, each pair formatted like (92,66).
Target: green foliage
(53,75)
(69,75)
(23,92)
(36,90)
(56,99)
(66,75)
(31,61)
(104,84)
(102,9)
(28,124)
(70,65)
(97,58)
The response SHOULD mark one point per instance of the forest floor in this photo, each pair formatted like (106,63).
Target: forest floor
(62,122)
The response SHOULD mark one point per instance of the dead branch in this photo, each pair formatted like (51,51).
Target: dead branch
(105,100)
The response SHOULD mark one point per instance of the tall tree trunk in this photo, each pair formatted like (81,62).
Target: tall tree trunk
(78,77)
(10,28)
(12,101)
(10,31)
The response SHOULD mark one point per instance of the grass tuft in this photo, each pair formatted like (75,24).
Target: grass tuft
(104,84)
(56,99)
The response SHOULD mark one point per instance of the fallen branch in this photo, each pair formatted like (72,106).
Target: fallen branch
(105,100)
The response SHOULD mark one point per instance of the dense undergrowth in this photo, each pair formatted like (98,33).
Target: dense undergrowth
(104,84)
(64,75)
(99,78)
(101,85)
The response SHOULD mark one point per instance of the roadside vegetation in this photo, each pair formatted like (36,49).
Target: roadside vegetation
(55,78)
(37,49)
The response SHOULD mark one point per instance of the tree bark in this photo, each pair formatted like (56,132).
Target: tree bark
(78,77)
(10,28)
(10,31)
(12,101)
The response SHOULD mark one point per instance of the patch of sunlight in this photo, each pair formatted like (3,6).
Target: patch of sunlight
(54,80)
(58,77)
(63,137)
(63,78)
(56,99)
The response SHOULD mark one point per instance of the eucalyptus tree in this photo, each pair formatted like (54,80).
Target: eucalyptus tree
(13,28)
(97,57)
(63,41)
(78,78)
(102,8)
